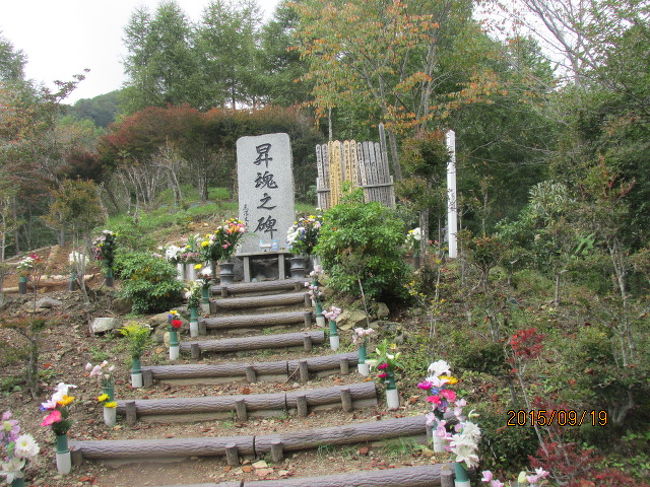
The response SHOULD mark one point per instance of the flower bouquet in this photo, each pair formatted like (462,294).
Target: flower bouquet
(104,374)
(205,276)
(359,337)
(386,360)
(441,397)
(193,294)
(77,261)
(16,450)
(302,236)
(316,294)
(110,409)
(190,255)
(104,248)
(25,268)
(175,324)
(138,338)
(59,420)
(537,479)
(173,256)
(331,315)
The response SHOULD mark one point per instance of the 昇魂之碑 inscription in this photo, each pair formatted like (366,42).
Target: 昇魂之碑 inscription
(266,190)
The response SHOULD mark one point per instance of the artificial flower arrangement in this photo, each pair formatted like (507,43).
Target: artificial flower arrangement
(537,479)
(59,420)
(360,338)
(26,264)
(16,450)
(221,244)
(441,397)
(204,275)
(175,323)
(104,248)
(302,236)
(331,314)
(386,361)
(316,294)
(104,374)
(196,295)
(110,409)
(193,294)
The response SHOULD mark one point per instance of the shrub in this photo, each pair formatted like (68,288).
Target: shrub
(149,282)
(364,241)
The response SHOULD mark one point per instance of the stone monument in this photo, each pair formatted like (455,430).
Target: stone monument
(266,192)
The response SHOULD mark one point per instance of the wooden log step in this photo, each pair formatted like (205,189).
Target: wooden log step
(257,320)
(281,340)
(363,394)
(418,476)
(134,451)
(343,435)
(260,301)
(322,365)
(255,287)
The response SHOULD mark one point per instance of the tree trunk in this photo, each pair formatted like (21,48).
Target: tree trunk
(424,235)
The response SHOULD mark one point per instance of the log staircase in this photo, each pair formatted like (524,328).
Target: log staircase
(274,317)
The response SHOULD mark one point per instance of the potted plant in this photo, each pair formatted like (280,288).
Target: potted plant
(175,324)
(138,341)
(59,420)
(193,293)
(386,362)
(302,237)
(16,450)
(104,248)
(359,337)
(331,315)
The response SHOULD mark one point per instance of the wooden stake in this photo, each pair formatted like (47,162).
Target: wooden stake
(301,403)
(346,400)
(277,451)
(232,455)
(242,413)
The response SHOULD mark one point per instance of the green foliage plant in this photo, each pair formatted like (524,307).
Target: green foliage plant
(138,336)
(362,243)
(148,281)
(29,328)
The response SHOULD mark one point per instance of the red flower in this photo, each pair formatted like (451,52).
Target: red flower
(53,417)
(177,323)
(383,375)
(435,400)
(382,366)
(448,394)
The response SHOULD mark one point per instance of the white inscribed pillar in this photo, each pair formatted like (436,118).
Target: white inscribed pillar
(452,210)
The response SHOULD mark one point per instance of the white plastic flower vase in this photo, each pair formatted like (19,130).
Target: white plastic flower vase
(320,321)
(63,462)
(180,271)
(462,483)
(191,272)
(364,369)
(194,329)
(205,308)
(136,380)
(174,352)
(439,443)
(334,342)
(392,398)
(110,416)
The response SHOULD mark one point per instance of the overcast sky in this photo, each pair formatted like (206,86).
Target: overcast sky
(61,38)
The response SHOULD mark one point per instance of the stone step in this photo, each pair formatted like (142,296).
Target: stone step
(277,371)
(226,290)
(305,339)
(256,320)
(417,476)
(301,402)
(138,450)
(264,301)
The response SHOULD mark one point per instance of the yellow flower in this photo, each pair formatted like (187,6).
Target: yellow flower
(110,404)
(102,397)
(393,346)
(173,312)
(198,267)
(450,380)
(66,400)
(205,243)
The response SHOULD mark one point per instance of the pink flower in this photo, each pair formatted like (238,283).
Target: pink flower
(487,476)
(496,483)
(383,375)
(434,399)
(448,394)
(53,417)
(383,366)
(425,386)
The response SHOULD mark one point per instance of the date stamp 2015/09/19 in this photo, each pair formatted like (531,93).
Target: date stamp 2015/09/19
(561,417)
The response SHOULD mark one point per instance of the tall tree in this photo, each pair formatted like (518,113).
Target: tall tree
(161,63)
(12,62)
